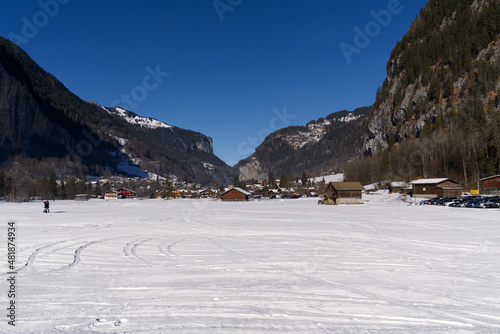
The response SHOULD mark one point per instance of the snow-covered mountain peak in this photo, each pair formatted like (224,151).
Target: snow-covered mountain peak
(146,122)
(348,118)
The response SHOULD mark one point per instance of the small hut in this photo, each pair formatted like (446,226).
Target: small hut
(236,194)
(343,193)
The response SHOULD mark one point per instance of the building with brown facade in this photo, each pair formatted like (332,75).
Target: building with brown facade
(438,187)
(343,193)
(236,194)
(490,185)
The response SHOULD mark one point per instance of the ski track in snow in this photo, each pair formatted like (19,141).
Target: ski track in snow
(257,267)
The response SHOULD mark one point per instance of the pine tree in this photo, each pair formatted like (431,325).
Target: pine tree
(63,190)
(435,88)
(304,179)
(448,88)
(283,181)
(321,186)
(236,181)
(52,185)
(97,191)
(3,184)
(168,189)
(271,180)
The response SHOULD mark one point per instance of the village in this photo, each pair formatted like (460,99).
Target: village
(330,190)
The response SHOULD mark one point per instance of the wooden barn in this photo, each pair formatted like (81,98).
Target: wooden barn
(113,194)
(343,193)
(236,194)
(397,187)
(439,187)
(490,185)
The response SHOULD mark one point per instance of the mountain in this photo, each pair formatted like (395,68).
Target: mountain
(153,141)
(325,144)
(45,128)
(437,113)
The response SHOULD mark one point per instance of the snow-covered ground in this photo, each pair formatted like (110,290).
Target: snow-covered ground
(277,266)
(329,178)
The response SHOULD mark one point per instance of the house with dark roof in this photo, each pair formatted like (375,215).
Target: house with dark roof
(343,193)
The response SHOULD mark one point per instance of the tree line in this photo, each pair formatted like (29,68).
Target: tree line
(466,149)
(448,51)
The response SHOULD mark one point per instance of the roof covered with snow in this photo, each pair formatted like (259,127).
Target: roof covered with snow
(244,192)
(490,177)
(347,186)
(430,181)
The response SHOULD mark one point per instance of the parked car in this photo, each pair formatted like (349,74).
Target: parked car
(445,200)
(452,202)
(471,203)
(475,203)
(493,202)
(482,201)
(456,203)
(434,201)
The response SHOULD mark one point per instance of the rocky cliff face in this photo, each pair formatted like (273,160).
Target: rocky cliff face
(203,145)
(432,75)
(251,170)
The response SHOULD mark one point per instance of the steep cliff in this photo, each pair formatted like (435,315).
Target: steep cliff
(450,55)
(438,112)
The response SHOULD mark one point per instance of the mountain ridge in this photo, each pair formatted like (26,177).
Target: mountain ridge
(321,145)
(41,119)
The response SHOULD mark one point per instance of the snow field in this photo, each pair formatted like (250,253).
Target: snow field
(278,266)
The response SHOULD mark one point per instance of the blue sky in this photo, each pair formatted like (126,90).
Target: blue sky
(231,69)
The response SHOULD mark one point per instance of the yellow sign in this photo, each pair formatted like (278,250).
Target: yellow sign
(474,192)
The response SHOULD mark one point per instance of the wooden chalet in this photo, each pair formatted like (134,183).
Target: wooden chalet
(236,194)
(208,193)
(162,193)
(438,187)
(119,194)
(276,193)
(113,194)
(397,187)
(490,185)
(175,194)
(343,193)
(127,193)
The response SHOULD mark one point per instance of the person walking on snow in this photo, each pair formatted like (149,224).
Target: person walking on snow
(46,207)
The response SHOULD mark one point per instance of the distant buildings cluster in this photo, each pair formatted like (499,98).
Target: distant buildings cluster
(333,193)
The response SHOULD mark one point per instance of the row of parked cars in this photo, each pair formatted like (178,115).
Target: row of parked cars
(483,202)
